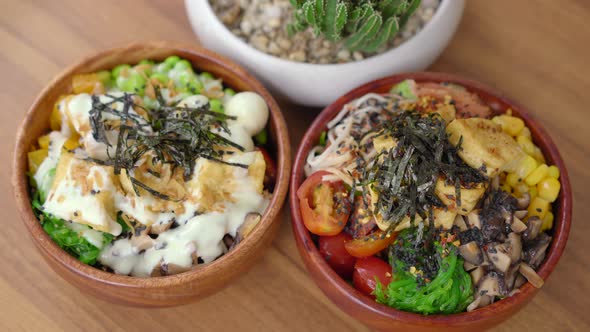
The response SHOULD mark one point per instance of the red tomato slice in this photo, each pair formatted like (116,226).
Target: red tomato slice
(370,244)
(366,270)
(332,249)
(325,206)
(270,174)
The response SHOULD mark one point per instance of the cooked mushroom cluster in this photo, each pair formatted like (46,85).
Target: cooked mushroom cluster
(500,251)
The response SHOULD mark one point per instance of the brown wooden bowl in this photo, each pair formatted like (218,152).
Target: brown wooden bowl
(161,291)
(384,318)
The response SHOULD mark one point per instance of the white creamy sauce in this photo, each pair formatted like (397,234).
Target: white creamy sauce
(201,235)
(46,172)
(196,234)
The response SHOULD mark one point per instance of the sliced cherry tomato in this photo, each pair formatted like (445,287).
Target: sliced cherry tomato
(366,270)
(270,174)
(325,206)
(370,244)
(332,249)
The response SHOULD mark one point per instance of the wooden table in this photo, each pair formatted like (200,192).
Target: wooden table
(537,52)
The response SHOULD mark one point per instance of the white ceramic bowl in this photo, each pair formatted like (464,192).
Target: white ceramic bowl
(319,85)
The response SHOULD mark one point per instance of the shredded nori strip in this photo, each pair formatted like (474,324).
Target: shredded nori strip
(178,135)
(405,176)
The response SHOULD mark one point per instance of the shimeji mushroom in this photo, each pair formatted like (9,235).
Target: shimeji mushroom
(250,222)
(471,253)
(530,274)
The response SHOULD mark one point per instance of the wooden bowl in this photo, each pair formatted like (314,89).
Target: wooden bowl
(384,318)
(161,291)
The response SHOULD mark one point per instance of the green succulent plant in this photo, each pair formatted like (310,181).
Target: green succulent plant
(365,25)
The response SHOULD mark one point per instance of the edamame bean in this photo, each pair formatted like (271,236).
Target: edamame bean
(229,92)
(120,69)
(134,83)
(172,60)
(187,81)
(160,77)
(162,68)
(194,87)
(216,105)
(206,77)
(183,65)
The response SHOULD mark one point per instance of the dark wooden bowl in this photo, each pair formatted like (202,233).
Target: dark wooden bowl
(384,318)
(161,291)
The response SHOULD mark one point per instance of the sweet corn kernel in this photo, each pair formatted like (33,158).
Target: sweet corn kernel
(44,142)
(549,188)
(526,144)
(526,166)
(36,158)
(510,124)
(538,155)
(533,192)
(513,180)
(538,207)
(553,172)
(506,188)
(537,175)
(526,132)
(547,221)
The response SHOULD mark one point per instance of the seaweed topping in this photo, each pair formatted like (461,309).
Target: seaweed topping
(177,135)
(405,175)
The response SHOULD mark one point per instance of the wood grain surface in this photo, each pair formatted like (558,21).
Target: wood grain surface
(535,51)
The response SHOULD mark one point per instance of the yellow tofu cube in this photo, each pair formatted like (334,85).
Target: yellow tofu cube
(256,171)
(447,112)
(83,192)
(469,196)
(484,145)
(444,218)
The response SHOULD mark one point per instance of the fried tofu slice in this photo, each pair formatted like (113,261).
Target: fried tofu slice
(484,146)
(256,171)
(469,196)
(214,183)
(444,217)
(83,193)
(447,112)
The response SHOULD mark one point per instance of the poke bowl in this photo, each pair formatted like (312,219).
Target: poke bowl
(437,234)
(152,174)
